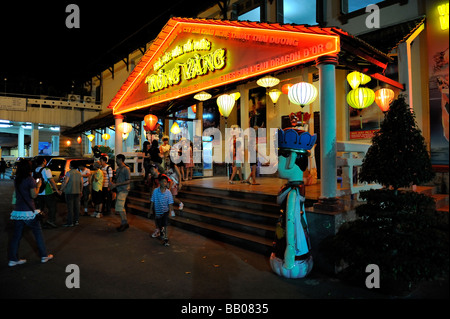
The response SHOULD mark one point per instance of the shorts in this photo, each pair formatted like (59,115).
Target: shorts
(161,220)
(120,201)
(97,197)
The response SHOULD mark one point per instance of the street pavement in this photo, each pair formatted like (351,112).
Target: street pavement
(132,265)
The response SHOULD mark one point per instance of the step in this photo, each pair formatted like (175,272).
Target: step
(441,200)
(250,214)
(243,240)
(237,224)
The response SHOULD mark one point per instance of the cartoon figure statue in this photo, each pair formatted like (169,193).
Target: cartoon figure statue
(291,256)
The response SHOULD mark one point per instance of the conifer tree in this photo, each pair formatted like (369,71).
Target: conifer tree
(398,156)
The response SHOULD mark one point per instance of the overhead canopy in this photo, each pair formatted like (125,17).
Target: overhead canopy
(192,55)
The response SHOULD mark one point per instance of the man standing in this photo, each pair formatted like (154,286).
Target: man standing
(122,185)
(86,174)
(73,188)
(47,197)
(106,190)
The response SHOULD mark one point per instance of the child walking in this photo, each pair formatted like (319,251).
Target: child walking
(162,201)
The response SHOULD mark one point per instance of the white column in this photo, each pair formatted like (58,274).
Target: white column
(118,135)
(34,139)
(21,142)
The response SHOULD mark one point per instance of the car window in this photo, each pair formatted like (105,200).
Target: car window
(56,164)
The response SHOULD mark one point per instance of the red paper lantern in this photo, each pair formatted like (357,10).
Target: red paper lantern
(151,121)
(384,98)
(285,88)
(79,140)
(194,108)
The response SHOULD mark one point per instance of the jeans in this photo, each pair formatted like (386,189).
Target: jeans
(48,201)
(85,197)
(19,225)
(120,205)
(73,208)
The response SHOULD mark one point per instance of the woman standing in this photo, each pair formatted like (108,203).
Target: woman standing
(25,213)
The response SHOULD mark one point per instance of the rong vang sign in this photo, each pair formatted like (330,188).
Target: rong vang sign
(191,55)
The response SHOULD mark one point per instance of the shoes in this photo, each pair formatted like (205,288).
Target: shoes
(52,224)
(67,225)
(172,214)
(231,182)
(122,227)
(97,215)
(76,223)
(45,259)
(155,233)
(13,263)
(180,207)
(166,243)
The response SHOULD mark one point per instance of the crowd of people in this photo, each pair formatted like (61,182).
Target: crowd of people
(36,194)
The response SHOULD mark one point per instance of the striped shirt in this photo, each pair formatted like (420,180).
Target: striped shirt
(161,200)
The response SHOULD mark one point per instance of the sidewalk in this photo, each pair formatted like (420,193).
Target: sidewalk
(132,265)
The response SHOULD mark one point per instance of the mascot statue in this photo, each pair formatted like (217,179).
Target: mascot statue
(291,256)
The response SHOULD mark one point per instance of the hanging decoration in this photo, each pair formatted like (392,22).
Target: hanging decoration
(236,95)
(302,93)
(202,96)
(106,136)
(150,121)
(268,81)
(285,88)
(383,98)
(79,140)
(226,103)
(91,137)
(125,127)
(194,108)
(360,98)
(355,79)
(175,129)
(274,96)
(125,136)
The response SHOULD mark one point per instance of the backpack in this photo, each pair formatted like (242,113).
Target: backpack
(37,175)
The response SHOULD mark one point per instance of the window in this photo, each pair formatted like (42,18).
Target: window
(299,11)
(249,10)
(348,6)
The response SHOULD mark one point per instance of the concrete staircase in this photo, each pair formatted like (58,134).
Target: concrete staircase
(244,219)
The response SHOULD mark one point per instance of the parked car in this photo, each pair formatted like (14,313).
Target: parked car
(61,165)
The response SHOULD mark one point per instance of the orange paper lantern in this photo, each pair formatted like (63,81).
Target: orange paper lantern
(285,88)
(383,98)
(151,121)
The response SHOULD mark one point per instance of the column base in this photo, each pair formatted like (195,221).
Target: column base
(332,204)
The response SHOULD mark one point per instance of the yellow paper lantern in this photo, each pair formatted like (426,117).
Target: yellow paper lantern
(91,137)
(302,93)
(202,96)
(125,127)
(106,136)
(236,95)
(274,95)
(226,104)
(360,98)
(383,98)
(355,79)
(125,136)
(268,81)
(175,129)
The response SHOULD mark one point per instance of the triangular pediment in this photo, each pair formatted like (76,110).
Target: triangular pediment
(192,55)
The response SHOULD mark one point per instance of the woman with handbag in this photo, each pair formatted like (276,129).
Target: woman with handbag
(25,213)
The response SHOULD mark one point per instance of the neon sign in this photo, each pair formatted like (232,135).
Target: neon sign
(197,65)
(443,16)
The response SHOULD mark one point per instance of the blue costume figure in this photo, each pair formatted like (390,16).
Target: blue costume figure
(291,256)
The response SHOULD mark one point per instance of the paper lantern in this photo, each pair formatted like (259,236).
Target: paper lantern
(91,137)
(268,81)
(285,88)
(175,129)
(355,79)
(106,136)
(360,98)
(151,121)
(194,108)
(202,96)
(383,98)
(68,142)
(125,136)
(302,93)
(79,140)
(236,95)
(125,127)
(226,104)
(274,95)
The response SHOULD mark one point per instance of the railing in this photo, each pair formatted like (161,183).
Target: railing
(135,162)
(350,160)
